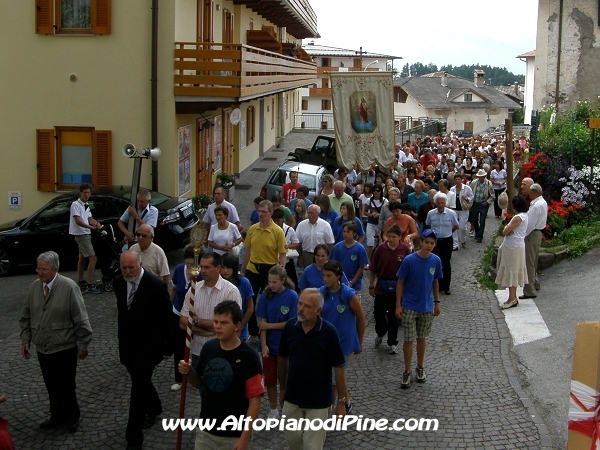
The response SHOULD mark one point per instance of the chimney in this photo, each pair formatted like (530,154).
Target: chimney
(479,77)
(445,79)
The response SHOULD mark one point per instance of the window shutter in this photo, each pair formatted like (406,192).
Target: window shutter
(44,17)
(102,158)
(101,16)
(45,160)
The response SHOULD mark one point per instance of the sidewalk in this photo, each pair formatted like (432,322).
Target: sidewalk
(471,388)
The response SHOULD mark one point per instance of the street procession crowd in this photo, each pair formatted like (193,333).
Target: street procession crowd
(276,308)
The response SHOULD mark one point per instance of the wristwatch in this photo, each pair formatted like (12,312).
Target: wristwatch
(342,400)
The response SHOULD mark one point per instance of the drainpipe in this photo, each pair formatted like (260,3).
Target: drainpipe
(560,25)
(154,91)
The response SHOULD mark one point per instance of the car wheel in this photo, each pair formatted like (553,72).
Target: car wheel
(6,261)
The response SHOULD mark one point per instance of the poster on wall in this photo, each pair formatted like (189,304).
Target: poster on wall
(242,134)
(183,147)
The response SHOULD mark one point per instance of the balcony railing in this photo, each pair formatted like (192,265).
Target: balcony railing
(236,71)
(324,70)
(314,121)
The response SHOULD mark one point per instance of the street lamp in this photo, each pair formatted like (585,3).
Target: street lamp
(372,62)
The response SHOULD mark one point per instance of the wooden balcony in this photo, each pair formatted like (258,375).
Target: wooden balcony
(325,70)
(319,92)
(215,72)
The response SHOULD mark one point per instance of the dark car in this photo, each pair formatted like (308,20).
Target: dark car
(21,241)
(322,153)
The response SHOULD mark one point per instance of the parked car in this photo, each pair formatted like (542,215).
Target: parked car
(322,153)
(308,175)
(463,133)
(21,241)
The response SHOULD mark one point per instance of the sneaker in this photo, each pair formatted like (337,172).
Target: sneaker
(405,380)
(82,284)
(471,233)
(378,341)
(421,377)
(348,407)
(176,386)
(393,350)
(274,414)
(93,289)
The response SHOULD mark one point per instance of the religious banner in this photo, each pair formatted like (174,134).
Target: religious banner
(363,113)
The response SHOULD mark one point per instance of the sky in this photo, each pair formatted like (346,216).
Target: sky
(432,31)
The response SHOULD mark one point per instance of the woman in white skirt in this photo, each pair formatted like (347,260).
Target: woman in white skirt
(511,269)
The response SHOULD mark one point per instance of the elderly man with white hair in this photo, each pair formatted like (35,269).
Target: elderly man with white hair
(537,215)
(339,196)
(444,222)
(312,232)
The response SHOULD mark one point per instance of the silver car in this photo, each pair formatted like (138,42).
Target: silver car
(308,175)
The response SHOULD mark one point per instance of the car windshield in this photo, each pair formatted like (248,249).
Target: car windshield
(282,176)
(157,198)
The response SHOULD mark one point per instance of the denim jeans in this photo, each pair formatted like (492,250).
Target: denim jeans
(479,211)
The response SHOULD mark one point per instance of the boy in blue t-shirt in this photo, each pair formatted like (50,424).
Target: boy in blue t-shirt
(352,256)
(417,302)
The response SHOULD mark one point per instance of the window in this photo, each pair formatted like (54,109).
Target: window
(304,105)
(325,105)
(250,125)
(325,82)
(69,156)
(326,62)
(73,17)
(468,97)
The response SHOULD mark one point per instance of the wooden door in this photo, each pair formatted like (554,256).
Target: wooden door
(227,142)
(204,159)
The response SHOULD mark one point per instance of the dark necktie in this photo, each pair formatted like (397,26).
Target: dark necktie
(131,295)
(46,292)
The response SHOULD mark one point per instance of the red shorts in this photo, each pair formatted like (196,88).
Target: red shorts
(270,370)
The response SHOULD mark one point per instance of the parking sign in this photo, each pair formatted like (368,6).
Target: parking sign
(14,200)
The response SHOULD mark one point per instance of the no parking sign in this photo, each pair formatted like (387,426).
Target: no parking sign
(14,200)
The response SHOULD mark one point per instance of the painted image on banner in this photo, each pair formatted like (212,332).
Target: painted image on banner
(363,111)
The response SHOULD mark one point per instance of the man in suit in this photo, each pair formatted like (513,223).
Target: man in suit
(143,327)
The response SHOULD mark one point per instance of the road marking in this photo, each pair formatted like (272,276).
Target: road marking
(525,322)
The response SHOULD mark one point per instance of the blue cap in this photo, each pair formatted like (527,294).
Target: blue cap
(428,233)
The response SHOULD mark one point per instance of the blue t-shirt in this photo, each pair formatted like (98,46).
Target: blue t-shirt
(281,307)
(338,229)
(329,218)
(337,311)
(254,217)
(313,277)
(351,259)
(246,293)
(418,275)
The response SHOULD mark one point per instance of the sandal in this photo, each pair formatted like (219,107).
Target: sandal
(507,304)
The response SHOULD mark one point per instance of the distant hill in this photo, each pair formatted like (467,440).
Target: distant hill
(495,76)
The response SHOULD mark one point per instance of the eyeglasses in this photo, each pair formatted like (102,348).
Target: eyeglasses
(263,212)
(142,235)
(38,270)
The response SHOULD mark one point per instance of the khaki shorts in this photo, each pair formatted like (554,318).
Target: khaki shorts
(84,242)
(416,324)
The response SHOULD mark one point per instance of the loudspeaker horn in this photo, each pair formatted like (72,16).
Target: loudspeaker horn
(152,153)
(128,150)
